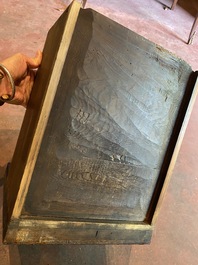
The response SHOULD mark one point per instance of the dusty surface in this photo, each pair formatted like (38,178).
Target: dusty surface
(24,26)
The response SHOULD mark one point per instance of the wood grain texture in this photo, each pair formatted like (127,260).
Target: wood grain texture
(101,139)
(39,106)
(153,216)
(113,115)
(63,232)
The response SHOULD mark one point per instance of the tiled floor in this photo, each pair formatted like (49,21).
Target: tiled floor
(24,26)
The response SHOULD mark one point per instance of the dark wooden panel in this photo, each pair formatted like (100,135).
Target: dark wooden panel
(104,126)
(110,125)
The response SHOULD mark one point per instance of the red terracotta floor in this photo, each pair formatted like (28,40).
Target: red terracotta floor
(24,26)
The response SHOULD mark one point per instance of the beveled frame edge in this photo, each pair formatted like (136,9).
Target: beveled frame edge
(33,231)
(24,230)
(16,226)
(13,203)
(176,151)
(47,105)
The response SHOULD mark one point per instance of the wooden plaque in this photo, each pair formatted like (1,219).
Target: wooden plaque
(100,136)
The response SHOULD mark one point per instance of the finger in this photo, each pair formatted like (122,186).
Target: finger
(34,62)
(23,90)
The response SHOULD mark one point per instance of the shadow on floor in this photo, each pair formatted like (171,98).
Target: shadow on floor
(69,255)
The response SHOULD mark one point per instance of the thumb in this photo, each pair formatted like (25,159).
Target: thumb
(34,62)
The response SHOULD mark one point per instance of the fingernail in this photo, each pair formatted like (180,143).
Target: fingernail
(5,97)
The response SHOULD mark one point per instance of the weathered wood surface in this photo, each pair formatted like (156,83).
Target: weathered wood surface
(112,118)
(179,131)
(108,118)
(71,232)
(39,106)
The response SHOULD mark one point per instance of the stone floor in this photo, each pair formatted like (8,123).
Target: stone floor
(24,26)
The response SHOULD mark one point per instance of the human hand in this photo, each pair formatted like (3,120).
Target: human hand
(22,70)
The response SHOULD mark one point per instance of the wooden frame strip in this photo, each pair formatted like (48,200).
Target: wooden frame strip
(70,232)
(176,152)
(55,77)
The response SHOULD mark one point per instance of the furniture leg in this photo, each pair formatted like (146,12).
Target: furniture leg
(193,30)
(174,4)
